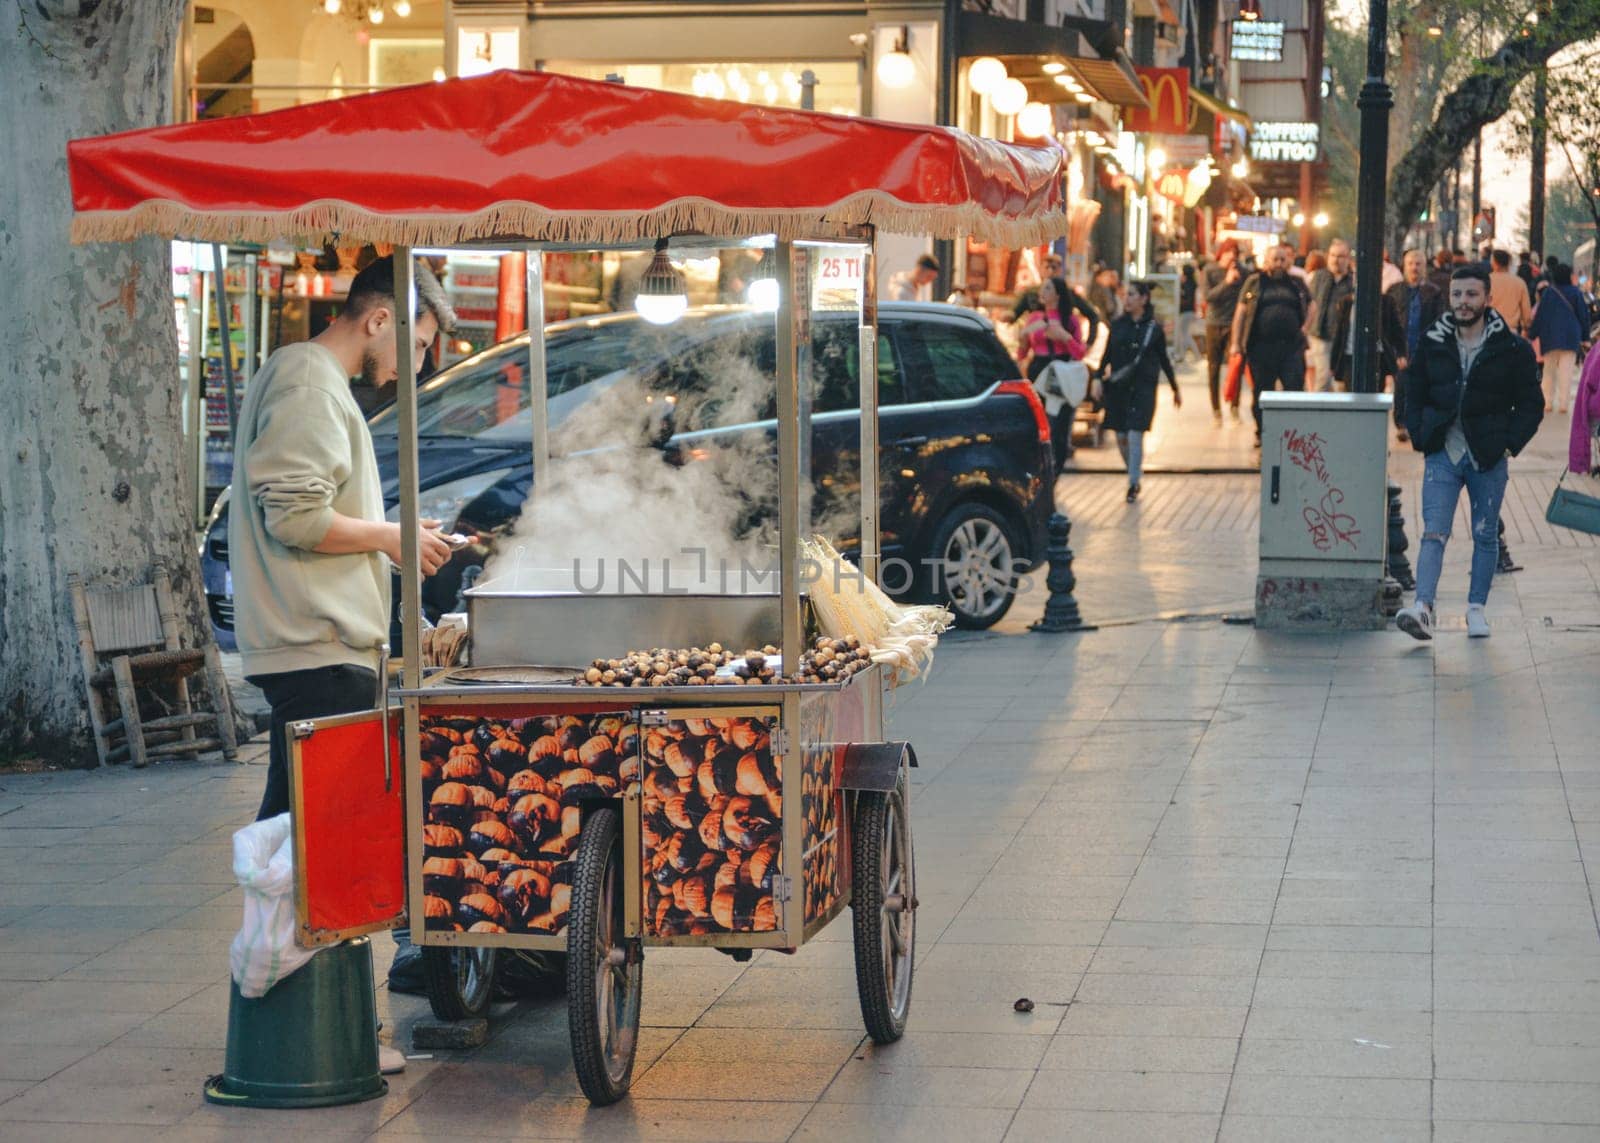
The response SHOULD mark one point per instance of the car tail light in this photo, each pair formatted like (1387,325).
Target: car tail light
(1026,392)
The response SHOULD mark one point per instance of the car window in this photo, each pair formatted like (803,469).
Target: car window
(486,396)
(950,362)
(836,367)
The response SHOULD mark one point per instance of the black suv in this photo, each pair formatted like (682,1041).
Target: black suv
(965,467)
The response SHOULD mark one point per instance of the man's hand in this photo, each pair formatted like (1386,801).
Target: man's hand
(1177,399)
(432,549)
(1400,364)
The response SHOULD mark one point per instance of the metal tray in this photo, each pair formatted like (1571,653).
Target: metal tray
(517,674)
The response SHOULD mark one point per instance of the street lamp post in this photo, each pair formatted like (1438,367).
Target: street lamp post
(1375,100)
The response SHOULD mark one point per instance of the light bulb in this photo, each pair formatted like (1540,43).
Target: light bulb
(985,74)
(715,87)
(1083,97)
(763,294)
(1240,169)
(402,8)
(1009,96)
(375,15)
(896,69)
(1298,220)
(438,75)
(331,7)
(1035,120)
(661,309)
(1156,159)
(1320,219)
(1054,67)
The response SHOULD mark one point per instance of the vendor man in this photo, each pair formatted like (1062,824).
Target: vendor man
(309,547)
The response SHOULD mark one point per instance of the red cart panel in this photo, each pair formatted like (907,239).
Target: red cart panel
(349,827)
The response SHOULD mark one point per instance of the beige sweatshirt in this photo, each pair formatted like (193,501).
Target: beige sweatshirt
(304,453)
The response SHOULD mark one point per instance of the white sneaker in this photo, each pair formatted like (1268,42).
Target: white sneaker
(1417,620)
(1477,622)
(391,1061)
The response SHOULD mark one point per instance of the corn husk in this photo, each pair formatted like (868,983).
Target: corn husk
(845,602)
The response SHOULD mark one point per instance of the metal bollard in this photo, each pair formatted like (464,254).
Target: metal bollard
(1061,609)
(1399,567)
(1505,563)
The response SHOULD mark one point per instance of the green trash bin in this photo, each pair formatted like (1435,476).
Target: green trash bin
(311,1041)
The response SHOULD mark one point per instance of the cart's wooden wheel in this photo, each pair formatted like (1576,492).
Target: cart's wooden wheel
(604,975)
(460,980)
(883,910)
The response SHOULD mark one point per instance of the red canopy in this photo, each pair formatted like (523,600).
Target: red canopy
(550,158)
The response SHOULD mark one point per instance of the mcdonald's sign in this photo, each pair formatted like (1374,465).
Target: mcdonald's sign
(1167,89)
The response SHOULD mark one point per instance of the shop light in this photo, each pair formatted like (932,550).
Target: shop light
(1435,29)
(895,68)
(1320,219)
(663,291)
(1156,159)
(375,14)
(1298,220)
(1009,97)
(1240,169)
(1083,97)
(438,75)
(986,74)
(402,8)
(1249,9)
(1035,120)
(331,7)
(1054,67)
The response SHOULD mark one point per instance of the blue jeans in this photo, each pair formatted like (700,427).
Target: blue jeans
(1131,446)
(1442,482)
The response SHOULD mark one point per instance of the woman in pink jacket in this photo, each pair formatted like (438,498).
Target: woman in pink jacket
(1585,418)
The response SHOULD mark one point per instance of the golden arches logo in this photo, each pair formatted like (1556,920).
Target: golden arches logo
(1167,89)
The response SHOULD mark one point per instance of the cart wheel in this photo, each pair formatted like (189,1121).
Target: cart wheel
(883,910)
(460,980)
(603,980)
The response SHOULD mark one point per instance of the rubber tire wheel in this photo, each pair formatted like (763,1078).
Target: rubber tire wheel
(868,822)
(445,995)
(599,848)
(941,539)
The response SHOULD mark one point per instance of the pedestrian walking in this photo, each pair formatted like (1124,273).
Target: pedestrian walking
(1471,400)
(1583,452)
(1136,358)
(1269,328)
(309,548)
(1052,332)
(1188,289)
(1220,293)
(1508,294)
(1330,286)
(911,285)
(1409,308)
(1559,331)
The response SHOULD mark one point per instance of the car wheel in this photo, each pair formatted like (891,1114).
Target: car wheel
(973,560)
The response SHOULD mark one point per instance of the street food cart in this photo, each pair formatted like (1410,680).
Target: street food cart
(513,807)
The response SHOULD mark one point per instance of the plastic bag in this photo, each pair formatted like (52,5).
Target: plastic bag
(264,951)
(1238,375)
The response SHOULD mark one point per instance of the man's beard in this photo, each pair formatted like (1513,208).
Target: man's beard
(1473,319)
(369,369)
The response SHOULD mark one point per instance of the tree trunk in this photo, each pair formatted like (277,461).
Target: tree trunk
(93,473)
(1483,97)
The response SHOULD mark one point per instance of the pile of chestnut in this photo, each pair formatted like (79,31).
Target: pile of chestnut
(827,660)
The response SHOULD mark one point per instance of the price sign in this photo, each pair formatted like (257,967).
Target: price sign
(837,283)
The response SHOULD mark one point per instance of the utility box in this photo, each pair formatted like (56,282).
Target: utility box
(1324,510)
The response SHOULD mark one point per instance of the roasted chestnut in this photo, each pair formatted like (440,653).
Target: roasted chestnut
(476,907)
(493,834)
(441,841)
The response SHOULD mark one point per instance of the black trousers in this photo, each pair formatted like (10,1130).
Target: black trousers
(296,695)
(1216,359)
(1272,362)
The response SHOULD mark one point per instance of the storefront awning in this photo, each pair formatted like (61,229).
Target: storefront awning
(1214,105)
(1025,48)
(550,158)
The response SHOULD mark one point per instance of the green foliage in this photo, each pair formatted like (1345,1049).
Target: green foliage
(1568,221)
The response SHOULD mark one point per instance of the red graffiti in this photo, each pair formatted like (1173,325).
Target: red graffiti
(1306,452)
(1327,525)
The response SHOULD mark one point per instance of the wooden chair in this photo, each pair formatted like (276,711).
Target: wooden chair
(128,636)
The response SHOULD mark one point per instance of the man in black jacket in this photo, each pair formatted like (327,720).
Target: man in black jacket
(1472,399)
(1410,307)
(1269,328)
